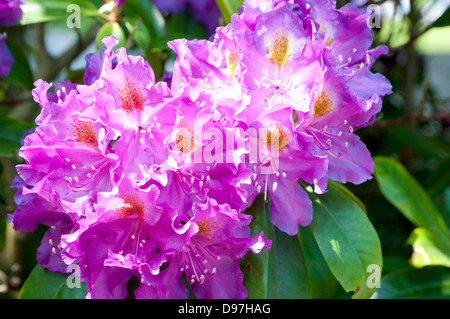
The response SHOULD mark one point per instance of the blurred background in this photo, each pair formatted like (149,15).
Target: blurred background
(413,127)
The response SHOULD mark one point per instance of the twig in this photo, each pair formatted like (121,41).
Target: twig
(50,67)
(413,117)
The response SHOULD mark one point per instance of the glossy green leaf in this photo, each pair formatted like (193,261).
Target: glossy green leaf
(346,192)
(20,71)
(11,132)
(150,15)
(111,28)
(255,266)
(288,276)
(439,178)
(429,249)
(347,240)
(431,282)
(323,283)
(37,11)
(44,284)
(139,32)
(180,26)
(228,8)
(279,273)
(443,20)
(408,196)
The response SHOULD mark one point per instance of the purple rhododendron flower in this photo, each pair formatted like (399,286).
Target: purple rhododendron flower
(10,11)
(6,58)
(150,180)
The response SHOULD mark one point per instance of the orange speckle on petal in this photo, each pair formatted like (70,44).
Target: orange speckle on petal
(232,62)
(84,133)
(206,226)
(323,104)
(132,205)
(131,97)
(276,135)
(186,140)
(279,50)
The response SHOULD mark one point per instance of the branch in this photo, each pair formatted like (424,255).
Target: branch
(413,117)
(50,67)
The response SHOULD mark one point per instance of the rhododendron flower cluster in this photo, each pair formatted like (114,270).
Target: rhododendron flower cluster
(145,179)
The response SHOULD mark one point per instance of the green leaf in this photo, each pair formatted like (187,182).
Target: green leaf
(347,240)
(439,178)
(139,32)
(180,26)
(280,272)
(288,275)
(431,282)
(44,284)
(408,196)
(346,192)
(150,15)
(20,72)
(37,11)
(443,20)
(228,8)
(323,284)
(255,266)
(11,132)
(111,28)
(182,23)
(429,249)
